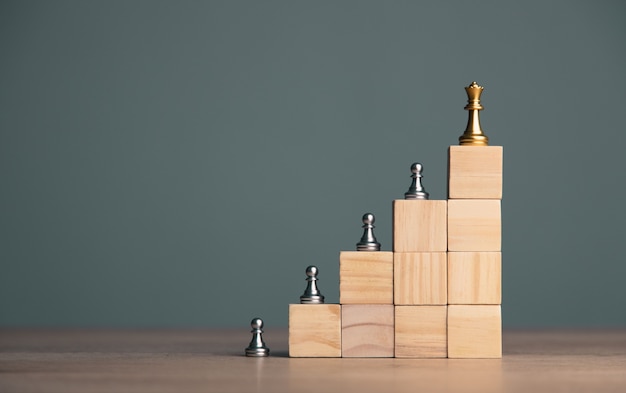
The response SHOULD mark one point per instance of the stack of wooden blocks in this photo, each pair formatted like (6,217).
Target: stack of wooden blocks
(438,294)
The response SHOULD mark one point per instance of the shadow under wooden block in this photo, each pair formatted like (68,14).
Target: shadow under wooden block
(419,225)
(474,225)
(315,330)
(421,331)
(474,331)
(366,277)
(474,278)
(475,172)
(367,330)
(420,278)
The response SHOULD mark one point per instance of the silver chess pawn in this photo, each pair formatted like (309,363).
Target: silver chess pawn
(416,191)
(257,346)
(368,240)
(312,295)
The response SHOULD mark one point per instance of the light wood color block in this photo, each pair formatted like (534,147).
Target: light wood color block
(367,330)
(474,278)
(474,225)
(315,330)
(420,278)
(366,277)
(421,332)
(474,331)
(419,225)
(475,172)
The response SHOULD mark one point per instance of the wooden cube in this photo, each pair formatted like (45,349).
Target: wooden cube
(475,172)
(420,278)
(421,331)
(419,225)
(367,330)
(366,277)
(474,331)
(474,277)
(315,330)
(474,225)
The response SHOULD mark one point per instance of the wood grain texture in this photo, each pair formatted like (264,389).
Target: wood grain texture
(366,277)
(475,172)
(367,330)
(420,278)
(474,277)
(474,331)
(419,225)
(421,332)
(212,361)
(314,330)
(474,225)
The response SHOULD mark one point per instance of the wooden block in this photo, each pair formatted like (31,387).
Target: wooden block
(419,225)
(474,225)
(367,330)
(421,332)
(474,277)
(366,277)
(420,278)
(315,330)
(475,172)
(474,331)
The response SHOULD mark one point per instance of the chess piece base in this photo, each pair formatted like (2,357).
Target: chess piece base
(312,299)
(368,247)
(473,140)
(257,352)
(416,195)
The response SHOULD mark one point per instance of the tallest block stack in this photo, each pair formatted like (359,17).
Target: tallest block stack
(474,241)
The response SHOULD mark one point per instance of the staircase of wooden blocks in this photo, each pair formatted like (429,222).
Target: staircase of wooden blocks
(438,294)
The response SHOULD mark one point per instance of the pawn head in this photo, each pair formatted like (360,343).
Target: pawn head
(416,168)
(256,323)
(311,271)
(368,219)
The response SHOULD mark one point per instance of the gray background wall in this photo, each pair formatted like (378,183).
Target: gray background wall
(180,163)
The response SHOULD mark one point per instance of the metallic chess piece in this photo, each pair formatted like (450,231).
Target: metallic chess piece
(312,295)
(257,346)
(416,191)
(368,240)
(473,135)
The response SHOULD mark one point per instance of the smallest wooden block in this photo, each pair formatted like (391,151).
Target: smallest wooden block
(421,332)
(475,172)
(474,332)
(366,277)
(474,225)
(315,330)
(419,225)
(474,278)
(420,278)
(367,330)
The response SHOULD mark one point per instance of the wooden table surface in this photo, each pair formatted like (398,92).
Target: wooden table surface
(212,361)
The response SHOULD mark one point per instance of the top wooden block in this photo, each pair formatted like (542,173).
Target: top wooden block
(315,330)
(420,225)
(366,277)
(475,172)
